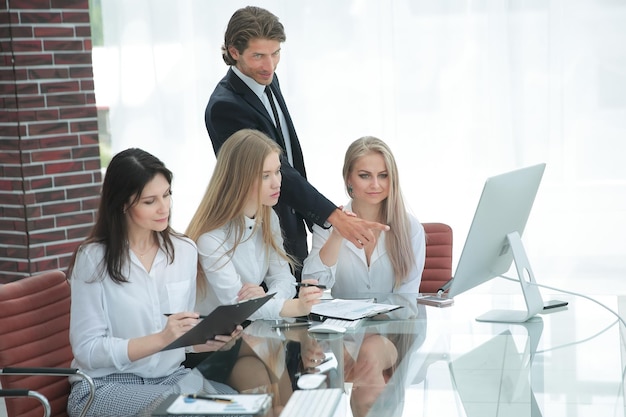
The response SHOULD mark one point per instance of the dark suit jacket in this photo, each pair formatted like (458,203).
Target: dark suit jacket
(233,106)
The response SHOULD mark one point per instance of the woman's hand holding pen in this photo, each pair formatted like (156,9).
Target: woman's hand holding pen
(308,295)
(180,323)
(177,325)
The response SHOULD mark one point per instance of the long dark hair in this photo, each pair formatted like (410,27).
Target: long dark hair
(126,176)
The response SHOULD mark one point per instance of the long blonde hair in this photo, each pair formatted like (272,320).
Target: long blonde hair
(393,210)
(238,169)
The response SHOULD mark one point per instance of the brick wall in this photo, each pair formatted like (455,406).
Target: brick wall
(49,155)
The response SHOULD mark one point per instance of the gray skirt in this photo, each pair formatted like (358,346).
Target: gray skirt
(119,395)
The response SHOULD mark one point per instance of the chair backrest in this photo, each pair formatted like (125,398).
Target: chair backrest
(34,332)
(438,265)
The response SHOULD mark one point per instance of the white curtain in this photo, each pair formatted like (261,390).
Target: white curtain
(461,90)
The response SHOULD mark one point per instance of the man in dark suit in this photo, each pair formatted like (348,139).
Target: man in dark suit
(241,100)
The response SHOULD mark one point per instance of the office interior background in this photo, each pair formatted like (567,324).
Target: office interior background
(460,90)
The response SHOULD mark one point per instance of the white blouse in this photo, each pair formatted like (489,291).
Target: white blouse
(352,276)
(105,315)
(226,274)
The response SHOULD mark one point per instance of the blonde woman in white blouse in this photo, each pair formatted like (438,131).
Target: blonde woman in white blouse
(240,250)
(239,240)
(392,263)
(395,260)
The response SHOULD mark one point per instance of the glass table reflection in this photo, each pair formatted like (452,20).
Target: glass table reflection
(430,361)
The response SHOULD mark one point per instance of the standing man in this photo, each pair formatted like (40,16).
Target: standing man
(249,96)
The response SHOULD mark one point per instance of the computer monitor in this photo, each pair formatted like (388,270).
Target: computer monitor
(494,240)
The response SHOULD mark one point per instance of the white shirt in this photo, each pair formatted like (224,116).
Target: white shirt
(259,90)
(351,275)
(248,264)
(106,315)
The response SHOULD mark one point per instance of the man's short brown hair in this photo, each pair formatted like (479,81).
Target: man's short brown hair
(250,23)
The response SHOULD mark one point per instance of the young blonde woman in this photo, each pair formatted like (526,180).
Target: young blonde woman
(240,250)
(393,263)
(395,260)
(238,235)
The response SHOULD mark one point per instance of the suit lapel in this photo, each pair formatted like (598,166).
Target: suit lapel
(296,150)
(240,88)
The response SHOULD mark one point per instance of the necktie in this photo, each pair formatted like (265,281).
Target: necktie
(281,139)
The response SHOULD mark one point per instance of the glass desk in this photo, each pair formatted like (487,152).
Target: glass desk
(444,363)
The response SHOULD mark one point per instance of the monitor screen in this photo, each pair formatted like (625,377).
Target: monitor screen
(503,208)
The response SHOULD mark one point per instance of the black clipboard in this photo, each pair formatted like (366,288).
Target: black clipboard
(223,320)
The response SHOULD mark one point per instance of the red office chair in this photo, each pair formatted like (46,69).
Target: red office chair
(35,346)
(438,265)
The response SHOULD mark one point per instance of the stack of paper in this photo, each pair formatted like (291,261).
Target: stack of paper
(351,309)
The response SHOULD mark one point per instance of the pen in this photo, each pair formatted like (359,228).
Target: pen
(306,284)
(209,398)
(290,325)
(169,314)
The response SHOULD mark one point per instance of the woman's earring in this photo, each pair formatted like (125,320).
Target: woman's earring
(349,190)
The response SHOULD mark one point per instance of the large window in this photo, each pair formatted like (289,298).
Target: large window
(461,90)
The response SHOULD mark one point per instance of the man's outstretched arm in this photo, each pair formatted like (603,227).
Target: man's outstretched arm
(355,229)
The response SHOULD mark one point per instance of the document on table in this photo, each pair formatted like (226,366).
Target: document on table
(351,309)
(234,404)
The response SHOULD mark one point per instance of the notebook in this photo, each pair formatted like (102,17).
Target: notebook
(238,404)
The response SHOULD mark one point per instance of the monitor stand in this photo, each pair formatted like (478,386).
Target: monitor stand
(532,296)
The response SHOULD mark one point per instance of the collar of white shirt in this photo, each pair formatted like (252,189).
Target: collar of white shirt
(258,89)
